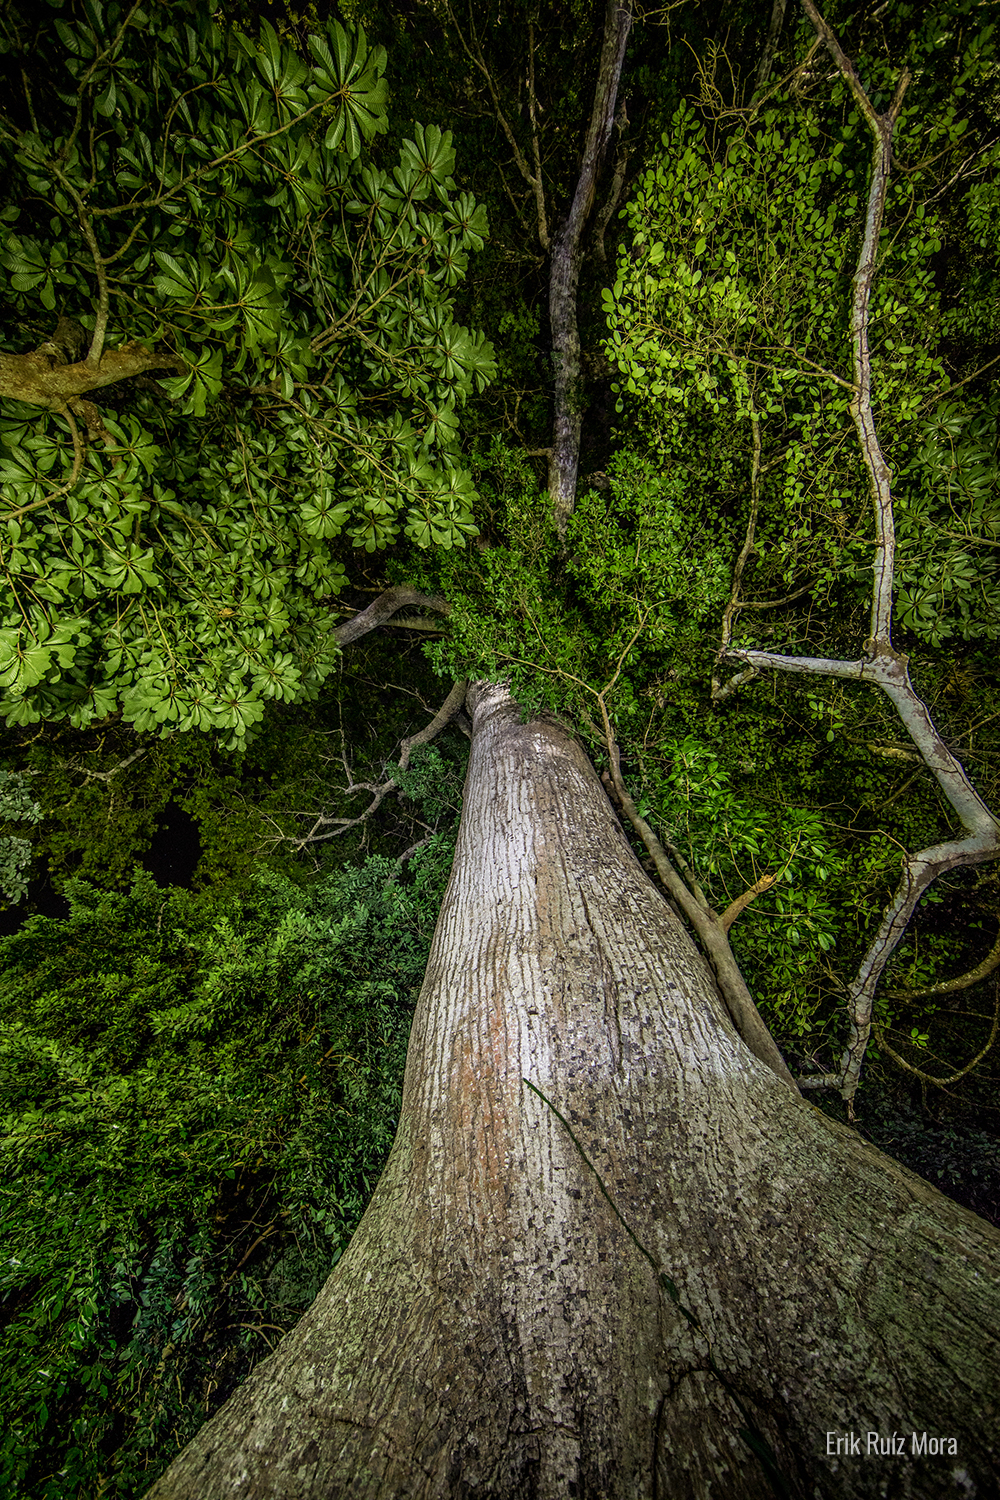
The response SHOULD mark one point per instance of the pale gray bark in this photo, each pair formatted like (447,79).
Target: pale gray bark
(493,1329)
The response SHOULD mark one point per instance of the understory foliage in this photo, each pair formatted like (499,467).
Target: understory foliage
(195,202)
(105,796)
(17,807)
(197,1096)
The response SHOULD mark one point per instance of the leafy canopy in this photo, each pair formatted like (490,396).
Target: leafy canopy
(205,195)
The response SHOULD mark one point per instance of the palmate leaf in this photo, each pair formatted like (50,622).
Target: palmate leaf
(469,219)
(261,304)
(431,155)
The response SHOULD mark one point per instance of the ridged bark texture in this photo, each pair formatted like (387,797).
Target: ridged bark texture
(494,1331)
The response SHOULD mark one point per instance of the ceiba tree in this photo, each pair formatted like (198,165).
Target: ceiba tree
(611,1254)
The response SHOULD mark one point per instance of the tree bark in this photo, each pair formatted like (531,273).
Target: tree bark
(44,377)
(510,1322)
(564,270)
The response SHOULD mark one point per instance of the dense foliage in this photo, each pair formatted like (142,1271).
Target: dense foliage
(180,188)
(16,807)
(728,324)
(197,1097)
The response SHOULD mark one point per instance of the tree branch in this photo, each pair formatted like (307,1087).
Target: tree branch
(741,903)
(770,45)
(533,179)
(72,765)
(954,1077)
(379,612)
(448,710)
(706,923)
(564,273)
(882,664)
(950,986)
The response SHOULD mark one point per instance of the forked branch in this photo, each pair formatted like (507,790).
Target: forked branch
(943,1083)
(325,827)
(881,663)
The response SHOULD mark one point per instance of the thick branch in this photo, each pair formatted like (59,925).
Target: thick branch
(741,903)
(820,666)
(950,986)
(706,923)
(379,612)
(39,379)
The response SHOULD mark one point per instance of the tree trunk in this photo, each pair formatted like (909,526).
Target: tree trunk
(495,1329)
(564,270)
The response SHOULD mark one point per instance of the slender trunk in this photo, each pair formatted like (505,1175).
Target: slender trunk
(509,1322)
(770,46)
(564,271)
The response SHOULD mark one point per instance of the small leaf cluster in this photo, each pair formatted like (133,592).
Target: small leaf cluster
(16,806)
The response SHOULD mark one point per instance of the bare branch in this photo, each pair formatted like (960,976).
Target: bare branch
(72,765)
(770,45)
(448,710)
(950,986)
(953,1077)
(379,612)
(734,683)
(821,666)
(617,184)
(533,179)
(543,227)
(100,269)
